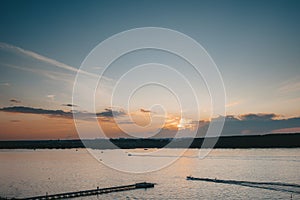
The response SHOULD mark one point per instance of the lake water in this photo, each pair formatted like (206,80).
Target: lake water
(26,173)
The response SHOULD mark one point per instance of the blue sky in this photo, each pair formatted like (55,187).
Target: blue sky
(255,45)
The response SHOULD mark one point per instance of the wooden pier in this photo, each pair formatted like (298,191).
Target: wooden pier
(97,191)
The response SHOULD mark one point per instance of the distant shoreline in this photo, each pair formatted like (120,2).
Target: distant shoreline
(291,140)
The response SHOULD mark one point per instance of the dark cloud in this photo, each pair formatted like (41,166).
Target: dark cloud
(145,111)
(259,116)
(15,101)
(108,112)
(251,124)
(69,105)
(29,110)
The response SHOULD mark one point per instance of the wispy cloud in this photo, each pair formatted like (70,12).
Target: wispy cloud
(5,84)
(44,59)
(51,96)
(292,85)
(232,104)
(58,76)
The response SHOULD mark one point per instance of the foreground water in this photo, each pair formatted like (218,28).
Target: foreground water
(27,173)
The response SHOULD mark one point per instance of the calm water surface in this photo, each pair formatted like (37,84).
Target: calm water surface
(27,173)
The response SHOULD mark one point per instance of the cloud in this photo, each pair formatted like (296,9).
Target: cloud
(49,74)
(15,101)
(185,123)
(292,85)
(232,104)
(145,111)
(5,84)
(107,115)
(44,59)
(257,124)
(51,96)
(69,105)
(259,116)
(29,110)
(108,112)
(248,124)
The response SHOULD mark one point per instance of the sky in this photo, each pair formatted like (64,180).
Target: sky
(254,44)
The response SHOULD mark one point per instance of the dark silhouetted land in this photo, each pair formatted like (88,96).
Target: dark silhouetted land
(258,141)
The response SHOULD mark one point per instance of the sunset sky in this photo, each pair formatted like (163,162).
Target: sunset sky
(255,45)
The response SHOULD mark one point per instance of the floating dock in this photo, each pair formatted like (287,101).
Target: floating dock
(97,191)
(276,186)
